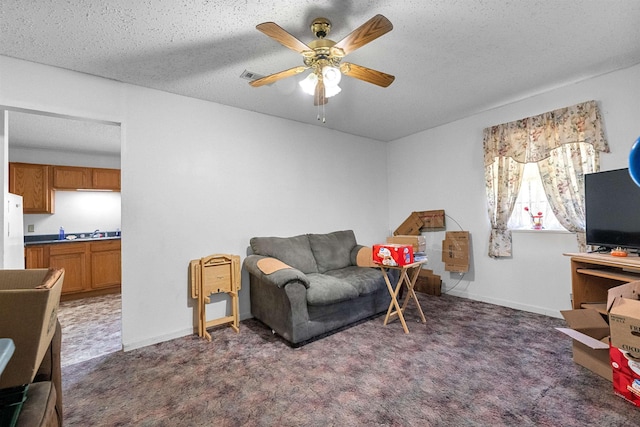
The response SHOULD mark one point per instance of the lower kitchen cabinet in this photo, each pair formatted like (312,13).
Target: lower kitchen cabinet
(34,257)
(91,267)
(73,258)
(105,264)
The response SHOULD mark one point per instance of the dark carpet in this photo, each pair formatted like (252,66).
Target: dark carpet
(472,364)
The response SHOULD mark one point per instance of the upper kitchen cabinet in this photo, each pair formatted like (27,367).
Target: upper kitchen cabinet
(33,183)
(71,178)
(75,178)
(105,179)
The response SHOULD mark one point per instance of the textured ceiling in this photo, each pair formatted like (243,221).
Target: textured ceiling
(451,58)
(37,131)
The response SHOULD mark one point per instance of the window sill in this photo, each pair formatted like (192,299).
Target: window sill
(543,231)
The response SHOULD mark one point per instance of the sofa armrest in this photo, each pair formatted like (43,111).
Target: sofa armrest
(274,271)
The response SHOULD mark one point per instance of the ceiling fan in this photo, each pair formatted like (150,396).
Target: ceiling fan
(324,56)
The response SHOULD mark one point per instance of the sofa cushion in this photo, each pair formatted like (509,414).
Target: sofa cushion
(365,280)
(325,290)
(294,251)
(332,250)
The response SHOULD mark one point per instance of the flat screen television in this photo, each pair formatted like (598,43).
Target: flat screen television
(612,210)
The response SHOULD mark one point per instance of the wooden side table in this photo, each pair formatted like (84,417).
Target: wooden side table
(410,282)
(215,274)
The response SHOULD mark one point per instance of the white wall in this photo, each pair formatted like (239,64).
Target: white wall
(200,178)
(78,212)
(449,164)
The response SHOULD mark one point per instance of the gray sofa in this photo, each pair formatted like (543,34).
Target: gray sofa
(306,286)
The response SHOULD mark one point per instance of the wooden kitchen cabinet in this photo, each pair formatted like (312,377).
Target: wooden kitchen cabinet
(71,177)
(35,257)
(33,183)
(73,258)
(105,179)
(92,267)
(81,178)
(105,264)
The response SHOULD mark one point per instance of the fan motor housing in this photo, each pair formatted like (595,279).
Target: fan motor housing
(321,27)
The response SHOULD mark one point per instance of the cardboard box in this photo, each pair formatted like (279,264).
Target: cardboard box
(428,283)
(410,227)
(29,302)
(432,219)
(626,375)
(590,334)
(393,254)
(455,251)
(419,243)
(623,307)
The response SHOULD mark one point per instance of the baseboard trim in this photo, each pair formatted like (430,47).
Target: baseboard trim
(168,337)
(506,303)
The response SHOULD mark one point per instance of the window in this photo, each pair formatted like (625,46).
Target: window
(532,196)
(563,145)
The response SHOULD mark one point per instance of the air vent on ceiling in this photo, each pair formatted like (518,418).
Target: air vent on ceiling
(250,75)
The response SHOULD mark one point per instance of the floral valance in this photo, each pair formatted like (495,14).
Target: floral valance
(531,139)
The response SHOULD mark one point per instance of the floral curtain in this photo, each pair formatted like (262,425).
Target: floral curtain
(503,178)
(534,140)
(562,176)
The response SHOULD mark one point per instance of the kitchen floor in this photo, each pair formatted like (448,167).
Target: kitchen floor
(91,327)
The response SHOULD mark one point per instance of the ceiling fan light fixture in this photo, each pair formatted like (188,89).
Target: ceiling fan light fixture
(331,75)
(324,56)
(330,91)
(308,84)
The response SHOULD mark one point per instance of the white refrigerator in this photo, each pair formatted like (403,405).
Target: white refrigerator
(13,239)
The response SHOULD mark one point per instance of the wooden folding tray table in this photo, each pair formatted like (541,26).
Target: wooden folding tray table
(410,282)
(215,274)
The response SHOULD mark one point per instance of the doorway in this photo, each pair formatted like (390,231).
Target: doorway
(91,327)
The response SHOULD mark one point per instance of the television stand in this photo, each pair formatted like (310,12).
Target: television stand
(593,274)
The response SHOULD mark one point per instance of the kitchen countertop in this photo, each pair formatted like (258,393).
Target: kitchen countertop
(53,238)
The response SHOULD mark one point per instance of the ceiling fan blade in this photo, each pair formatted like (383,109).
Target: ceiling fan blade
(280,35)
(277,76)
(319,97)
(366,74)
(367,32)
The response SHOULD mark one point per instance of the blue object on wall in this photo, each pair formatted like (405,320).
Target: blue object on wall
(634,162)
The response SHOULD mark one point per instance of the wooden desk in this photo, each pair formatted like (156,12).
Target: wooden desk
(410,282)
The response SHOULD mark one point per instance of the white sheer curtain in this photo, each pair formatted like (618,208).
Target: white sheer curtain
(555,141)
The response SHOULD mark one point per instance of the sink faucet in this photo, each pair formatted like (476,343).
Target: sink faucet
(95,234)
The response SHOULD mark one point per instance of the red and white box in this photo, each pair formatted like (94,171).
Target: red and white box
(626,375)
(624,325)
(393,254)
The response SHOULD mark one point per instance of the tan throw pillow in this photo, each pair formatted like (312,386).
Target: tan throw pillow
(271,265)
(364,258)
